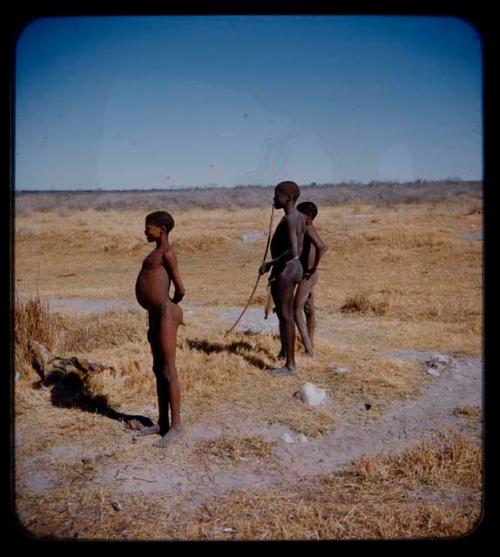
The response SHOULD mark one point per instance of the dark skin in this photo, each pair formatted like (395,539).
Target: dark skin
(286,246)
(158,270)
(314,249)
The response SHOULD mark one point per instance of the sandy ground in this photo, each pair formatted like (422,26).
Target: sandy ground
(294,458)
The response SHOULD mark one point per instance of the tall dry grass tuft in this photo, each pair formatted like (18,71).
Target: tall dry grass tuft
(361,303)
(33,321)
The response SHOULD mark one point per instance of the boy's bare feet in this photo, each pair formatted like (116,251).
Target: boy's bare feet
(151,430)
(174,433)
(282,371)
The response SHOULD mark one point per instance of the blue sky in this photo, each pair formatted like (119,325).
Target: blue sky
(175,101)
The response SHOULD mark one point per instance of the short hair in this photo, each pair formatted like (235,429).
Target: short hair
(290,188)
(161,218)
(308,208)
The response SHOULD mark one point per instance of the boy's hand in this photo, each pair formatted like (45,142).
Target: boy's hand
(177,297)
(264,268)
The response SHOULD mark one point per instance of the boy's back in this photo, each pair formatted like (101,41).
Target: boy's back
(308,255)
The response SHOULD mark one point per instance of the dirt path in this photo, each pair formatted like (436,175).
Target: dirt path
(399,428)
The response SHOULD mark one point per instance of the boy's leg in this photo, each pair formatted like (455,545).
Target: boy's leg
(277,305)
(301,298)
(310,311)
(171,317)
(287,281)
(163,421)
(161,389)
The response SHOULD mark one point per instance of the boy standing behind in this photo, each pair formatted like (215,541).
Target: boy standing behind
(313,250)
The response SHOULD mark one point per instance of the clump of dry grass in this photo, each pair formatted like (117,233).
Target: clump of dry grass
(201,243)
(301,419)
(107,330)
(362,303)
(397,375)
(33,321)
(236,448)
(467,410)
(430,463)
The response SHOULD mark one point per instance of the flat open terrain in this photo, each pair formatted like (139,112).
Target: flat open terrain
(393,452)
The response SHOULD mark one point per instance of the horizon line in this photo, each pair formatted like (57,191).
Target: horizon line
(419,181)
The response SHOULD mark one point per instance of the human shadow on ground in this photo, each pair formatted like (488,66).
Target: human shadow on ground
(236,347)
(69,391)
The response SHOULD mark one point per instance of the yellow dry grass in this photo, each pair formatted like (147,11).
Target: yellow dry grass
(236,448)
(411,280)
(405,257)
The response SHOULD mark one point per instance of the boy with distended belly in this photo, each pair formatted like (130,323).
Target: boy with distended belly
(152,287)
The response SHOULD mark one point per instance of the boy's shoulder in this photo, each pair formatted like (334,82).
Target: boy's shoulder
(294,216)
(168,253)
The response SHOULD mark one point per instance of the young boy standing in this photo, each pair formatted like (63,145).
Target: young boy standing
(158,270)
(314,248)
(286,247)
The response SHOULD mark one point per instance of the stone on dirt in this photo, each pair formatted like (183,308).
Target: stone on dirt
(337,369)
(437,363)
(311,395)
(287,438)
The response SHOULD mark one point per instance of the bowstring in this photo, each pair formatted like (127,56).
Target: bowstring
(258,276)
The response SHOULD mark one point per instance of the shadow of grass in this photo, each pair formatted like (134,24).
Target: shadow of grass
(239,348)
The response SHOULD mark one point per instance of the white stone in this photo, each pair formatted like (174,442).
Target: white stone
(301,438)
(311,395)
(341,370)
(432,371)
(438,360)
(287,438)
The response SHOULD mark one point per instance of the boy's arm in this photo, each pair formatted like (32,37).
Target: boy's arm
(320,246)
(291,253)
(173,271)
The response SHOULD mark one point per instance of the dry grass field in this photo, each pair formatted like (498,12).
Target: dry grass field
(402,274)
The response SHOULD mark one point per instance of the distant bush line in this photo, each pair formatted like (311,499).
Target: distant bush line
(245,196)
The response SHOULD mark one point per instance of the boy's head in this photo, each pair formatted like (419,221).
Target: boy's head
(308,209)
(157,221)
(284,191)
